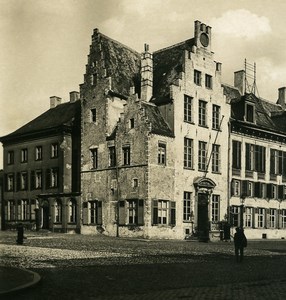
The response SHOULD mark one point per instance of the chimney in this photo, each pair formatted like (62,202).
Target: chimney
(282,97)
(239,81)
(55,101)
(146,74)
(74,96)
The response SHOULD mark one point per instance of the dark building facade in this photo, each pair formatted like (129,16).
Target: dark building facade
(41,170)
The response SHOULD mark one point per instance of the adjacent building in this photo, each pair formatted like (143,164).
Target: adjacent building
(41,170)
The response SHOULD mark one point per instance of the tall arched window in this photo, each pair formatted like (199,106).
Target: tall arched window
(72,211)
(58,211)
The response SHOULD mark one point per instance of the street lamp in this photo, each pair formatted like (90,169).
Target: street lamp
(242,199)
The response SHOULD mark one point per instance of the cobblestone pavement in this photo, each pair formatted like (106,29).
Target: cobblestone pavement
(99,267)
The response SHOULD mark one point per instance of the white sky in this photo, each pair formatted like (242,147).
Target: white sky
(45,43)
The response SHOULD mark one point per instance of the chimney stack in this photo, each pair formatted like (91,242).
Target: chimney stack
(282,97)
(55,101)
(239,81)
(146,74)
(74,96)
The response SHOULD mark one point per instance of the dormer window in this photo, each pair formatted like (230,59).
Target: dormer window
(249,115)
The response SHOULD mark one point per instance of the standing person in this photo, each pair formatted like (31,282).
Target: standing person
(240,242)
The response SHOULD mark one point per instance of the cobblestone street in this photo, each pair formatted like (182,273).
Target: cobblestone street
(99,267)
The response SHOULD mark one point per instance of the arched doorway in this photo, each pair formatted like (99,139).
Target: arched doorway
(204,187)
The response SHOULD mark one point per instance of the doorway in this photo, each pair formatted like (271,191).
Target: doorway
(203,216)
(46,215)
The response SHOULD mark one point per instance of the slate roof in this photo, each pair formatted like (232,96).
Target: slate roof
(62,115)
(167,66)
(158,124)
(120,62)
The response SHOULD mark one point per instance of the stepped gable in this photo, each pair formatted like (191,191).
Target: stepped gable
(154,116)
(115,60)
(53,119)
(167,66)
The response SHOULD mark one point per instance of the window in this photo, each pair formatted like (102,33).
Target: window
(93,115)
(215,208)
(23,210)
(235,188)
(248,217)
(38,179)
(216,159)
(208,81)
(249,113)
(202,113)
(260,217)
(10,212)
(161,154)
(164,212)
(131,212)
(187,213)
(131,123)
(34,208)
(93,79)
(94,158)
(24,181)
(54,150)
(188,153)
(126,155)
(197,77)
(135,183)
(254,158)
(276,161)
(52,178)
(283,218)
(39,153)
(92,212)
(236,155)
(216,117)
(58,211)
(188,109)
(10,182)
(234,213)
(202,156)
(112,156)
(24,155)
(10,157)
(72,211)
(272,218)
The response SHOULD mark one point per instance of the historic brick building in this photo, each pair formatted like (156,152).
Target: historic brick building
(41,170)
(257,161)
(153,131)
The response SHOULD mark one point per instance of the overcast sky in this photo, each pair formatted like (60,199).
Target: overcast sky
(45,43)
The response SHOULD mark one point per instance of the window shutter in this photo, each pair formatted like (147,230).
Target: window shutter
(32,186)
(155,212)
(269,191)
(267,218)
(232,187)
(244,188)
(27,182)
(99,213)
(140,212)
(253,217)
(279,218)
(122,214)
(281,192)
(7,218)
(173,213)
(42,179)
(18,181)
(257,189)
(48,178)
(85,213)
(5,182)
(19,210)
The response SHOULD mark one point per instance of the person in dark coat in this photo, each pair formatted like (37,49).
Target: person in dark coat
(20,234)
(240,242)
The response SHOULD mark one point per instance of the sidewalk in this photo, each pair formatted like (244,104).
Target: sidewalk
(13,279)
